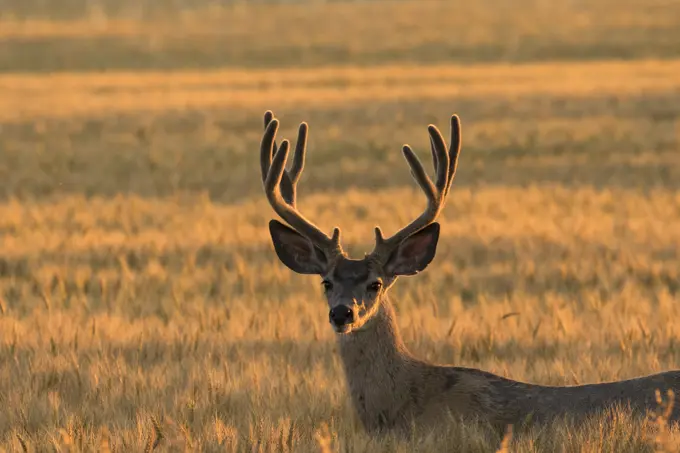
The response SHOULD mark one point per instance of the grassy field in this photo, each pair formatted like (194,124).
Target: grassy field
(38,35)
(142,306)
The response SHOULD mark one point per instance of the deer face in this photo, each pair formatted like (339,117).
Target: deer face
(354,288)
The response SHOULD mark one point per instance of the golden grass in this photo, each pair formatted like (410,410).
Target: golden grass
(141,315)
(128,34)
(30,96)
(143,308)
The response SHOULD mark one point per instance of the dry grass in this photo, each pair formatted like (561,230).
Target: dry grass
(166,34)
(96,95)
(142,306)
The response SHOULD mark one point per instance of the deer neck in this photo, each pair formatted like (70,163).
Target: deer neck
(377,365)
(378,339)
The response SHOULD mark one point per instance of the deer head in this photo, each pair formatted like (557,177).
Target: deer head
(354,288)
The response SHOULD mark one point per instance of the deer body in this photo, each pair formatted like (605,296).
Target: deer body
(390,388)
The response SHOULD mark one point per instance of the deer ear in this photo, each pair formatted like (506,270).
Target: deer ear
(414,253)
(296,251)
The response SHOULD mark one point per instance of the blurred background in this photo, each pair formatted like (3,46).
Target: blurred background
(179,87)
(137,278)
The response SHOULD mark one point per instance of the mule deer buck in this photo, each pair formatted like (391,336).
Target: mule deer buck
(389,387)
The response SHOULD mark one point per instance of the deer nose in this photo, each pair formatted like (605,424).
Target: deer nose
(341,315)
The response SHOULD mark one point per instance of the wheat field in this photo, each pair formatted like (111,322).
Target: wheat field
(142,307)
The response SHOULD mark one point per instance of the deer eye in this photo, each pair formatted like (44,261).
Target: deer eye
(327,286)
(375,286)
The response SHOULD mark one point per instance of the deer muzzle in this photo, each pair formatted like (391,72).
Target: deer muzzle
(341,316)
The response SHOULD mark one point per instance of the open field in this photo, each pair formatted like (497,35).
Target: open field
(38,35)
(142,305)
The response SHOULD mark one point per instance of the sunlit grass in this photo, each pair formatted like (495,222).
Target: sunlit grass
(143,308)
(118,312)
(128,34)
(66,95)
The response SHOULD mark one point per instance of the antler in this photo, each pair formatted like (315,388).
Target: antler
(445,162)
(290,177)
(280,185)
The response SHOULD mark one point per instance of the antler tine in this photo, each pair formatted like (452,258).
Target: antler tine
(280,185)
(454,150)
(445,163)
(290,177)
(442,170)
(419,174)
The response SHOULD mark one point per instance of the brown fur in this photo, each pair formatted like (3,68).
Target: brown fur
(390,388)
